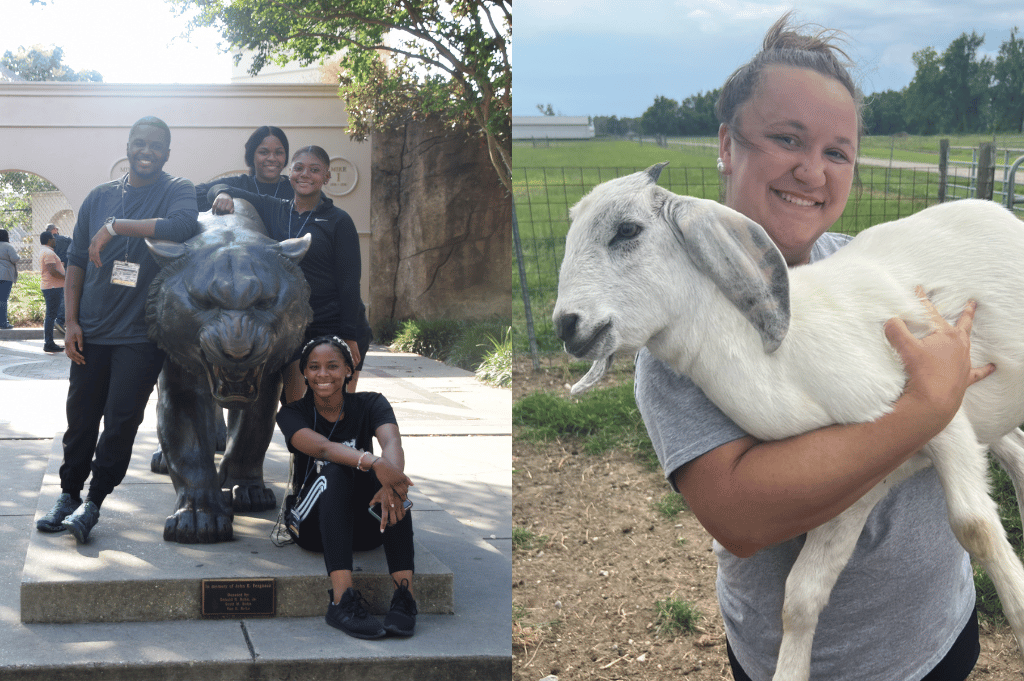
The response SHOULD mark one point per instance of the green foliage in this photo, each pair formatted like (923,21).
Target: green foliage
(399,60)
(26,306)
(673,615)
(15,194)
(39,63)
(670,505)
(605,418)
(464,344)
(496,367)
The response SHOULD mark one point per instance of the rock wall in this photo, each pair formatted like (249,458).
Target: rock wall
(441,227)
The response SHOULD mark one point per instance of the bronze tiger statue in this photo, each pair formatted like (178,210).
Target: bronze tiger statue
(229,307)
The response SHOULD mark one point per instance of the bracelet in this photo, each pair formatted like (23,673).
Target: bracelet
(110,226)
(359,463)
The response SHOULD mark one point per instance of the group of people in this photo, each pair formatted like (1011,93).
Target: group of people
(52,263)
(115,366)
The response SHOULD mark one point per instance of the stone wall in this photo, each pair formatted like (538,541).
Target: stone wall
(441,227)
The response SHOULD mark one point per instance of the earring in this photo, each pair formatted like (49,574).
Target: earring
(721,166)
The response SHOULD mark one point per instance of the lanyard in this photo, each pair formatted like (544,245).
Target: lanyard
(277,187)
(293,210)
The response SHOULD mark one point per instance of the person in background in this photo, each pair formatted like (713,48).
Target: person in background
(114,363)
(332,265)
(788,140)
(52,283)
(330,431)
(61,249)
(8,275)
(266,155)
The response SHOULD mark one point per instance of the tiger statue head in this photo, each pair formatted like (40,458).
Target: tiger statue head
(230,303)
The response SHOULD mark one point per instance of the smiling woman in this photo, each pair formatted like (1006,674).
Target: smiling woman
(788,139)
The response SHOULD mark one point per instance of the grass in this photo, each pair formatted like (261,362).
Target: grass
(670,505)
(524,540)
(673,615)
(603,419)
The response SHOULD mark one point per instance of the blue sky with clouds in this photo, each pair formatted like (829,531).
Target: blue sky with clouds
(613,57)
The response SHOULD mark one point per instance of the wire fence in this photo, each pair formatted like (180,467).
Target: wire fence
(543,197)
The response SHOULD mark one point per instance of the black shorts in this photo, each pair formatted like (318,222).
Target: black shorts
(955,666)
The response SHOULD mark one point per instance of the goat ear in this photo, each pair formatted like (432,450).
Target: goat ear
(737,254)
(654,172)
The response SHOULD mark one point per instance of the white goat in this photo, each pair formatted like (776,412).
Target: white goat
(783,352)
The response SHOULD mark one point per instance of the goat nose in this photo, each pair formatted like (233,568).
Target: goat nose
(566,325)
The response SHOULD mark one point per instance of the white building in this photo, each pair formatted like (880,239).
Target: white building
(552,127)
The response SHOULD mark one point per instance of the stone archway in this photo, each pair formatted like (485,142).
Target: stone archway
(74,135)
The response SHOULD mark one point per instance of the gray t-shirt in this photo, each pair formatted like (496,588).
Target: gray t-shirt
(898,605)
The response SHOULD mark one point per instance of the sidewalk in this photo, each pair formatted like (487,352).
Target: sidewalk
(457,437)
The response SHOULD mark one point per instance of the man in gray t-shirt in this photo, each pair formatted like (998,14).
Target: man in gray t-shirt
(900,602)
(114,364)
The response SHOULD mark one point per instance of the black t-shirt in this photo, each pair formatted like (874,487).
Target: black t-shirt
(364,414)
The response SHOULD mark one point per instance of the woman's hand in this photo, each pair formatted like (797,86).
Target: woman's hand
(394,490)
(391,477)
(223,204)
(938,366)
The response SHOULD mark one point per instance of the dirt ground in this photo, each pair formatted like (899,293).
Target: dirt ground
(584,593)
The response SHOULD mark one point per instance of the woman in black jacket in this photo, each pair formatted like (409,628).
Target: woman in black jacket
(266,155)
(332,265)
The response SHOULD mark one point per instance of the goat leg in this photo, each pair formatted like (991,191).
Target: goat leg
(810,582)
(963,469)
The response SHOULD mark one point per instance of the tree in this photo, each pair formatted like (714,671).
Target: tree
(925,101)
(965,83)
(401,59)
(39,63)
(548,111)
(661,118)
(1008,86)
(884,113)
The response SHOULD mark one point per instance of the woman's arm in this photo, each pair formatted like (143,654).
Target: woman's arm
(750,494)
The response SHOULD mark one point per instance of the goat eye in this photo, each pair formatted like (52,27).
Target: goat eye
(627,230)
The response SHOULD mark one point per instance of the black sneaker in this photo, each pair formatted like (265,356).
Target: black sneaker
(82,521)
(401,619)
(52,521)
(53,347)
(352,617)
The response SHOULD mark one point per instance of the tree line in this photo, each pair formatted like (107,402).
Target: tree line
(954,92)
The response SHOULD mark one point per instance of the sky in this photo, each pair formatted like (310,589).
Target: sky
(127,41)
(613,57)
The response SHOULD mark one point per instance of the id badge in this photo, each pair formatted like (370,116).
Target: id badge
(125,273)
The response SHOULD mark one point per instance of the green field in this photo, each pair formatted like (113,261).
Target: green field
(550,177)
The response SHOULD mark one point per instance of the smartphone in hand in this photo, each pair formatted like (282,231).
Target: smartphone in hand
(375,509)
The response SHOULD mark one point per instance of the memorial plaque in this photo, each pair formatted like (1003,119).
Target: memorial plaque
(239,597)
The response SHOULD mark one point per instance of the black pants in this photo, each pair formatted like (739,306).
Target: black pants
(114,385)
(346,526)
(955,666)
